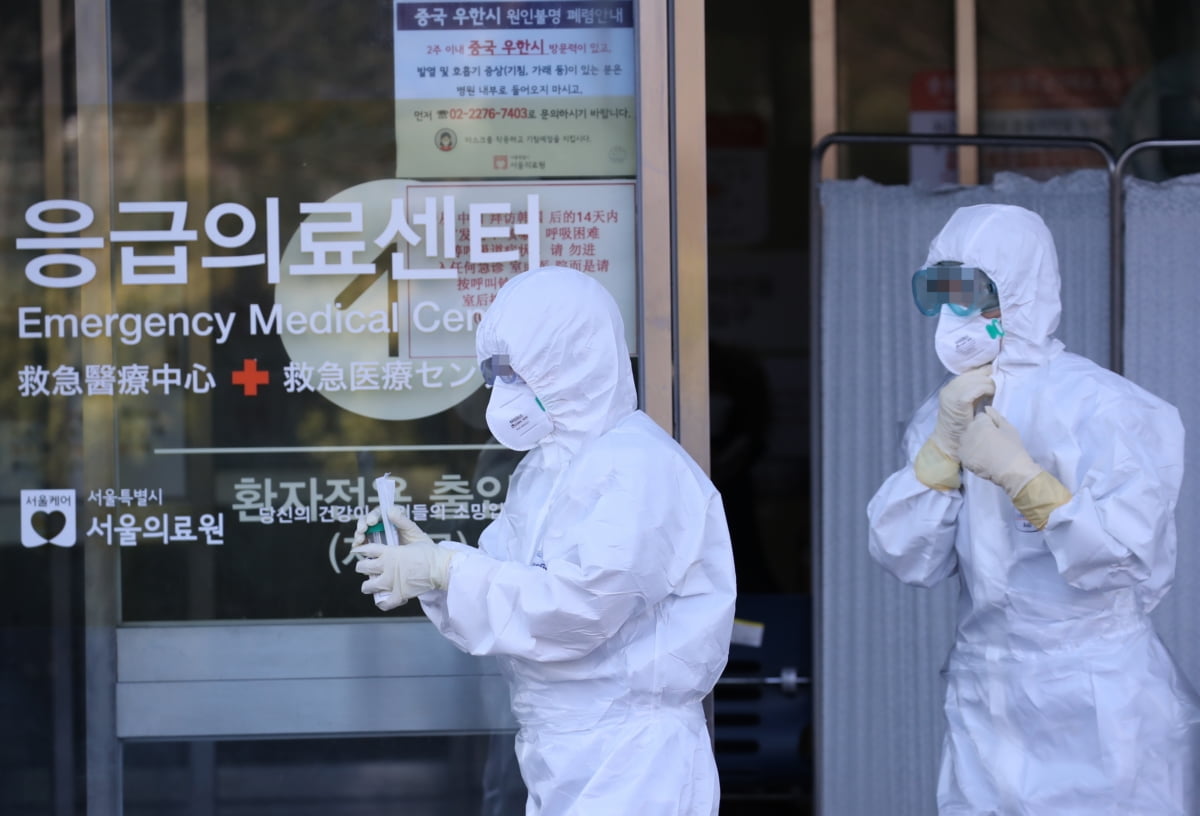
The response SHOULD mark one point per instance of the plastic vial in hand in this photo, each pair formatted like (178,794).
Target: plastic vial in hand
(376,535)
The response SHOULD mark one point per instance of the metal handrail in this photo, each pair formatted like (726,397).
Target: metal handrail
(951,140)
(789,680)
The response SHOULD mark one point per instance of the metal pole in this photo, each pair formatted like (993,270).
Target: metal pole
(966,88)
(823,23)
(655,354)
(94,90)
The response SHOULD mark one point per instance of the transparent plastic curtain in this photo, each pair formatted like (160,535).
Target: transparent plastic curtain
(883,643)
(1162,301)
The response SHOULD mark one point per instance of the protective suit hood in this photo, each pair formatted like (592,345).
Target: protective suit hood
(564,335)
(1015,248)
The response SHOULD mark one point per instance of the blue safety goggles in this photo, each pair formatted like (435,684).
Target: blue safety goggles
(497,367)
(967,290)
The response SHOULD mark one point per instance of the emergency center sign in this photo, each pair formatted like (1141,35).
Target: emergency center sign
(377,295)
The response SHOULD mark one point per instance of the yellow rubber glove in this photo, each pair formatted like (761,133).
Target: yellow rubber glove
(992,449)
(1038,499)
(935,469)
(936,464)
(416,566)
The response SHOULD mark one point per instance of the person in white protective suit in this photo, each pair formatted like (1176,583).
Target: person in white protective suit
(1055,505)
(605,588)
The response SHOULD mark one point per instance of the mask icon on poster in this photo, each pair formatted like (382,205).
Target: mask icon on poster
(445,139)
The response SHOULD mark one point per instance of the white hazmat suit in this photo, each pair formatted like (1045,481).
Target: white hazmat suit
(1060,697)
(605,588)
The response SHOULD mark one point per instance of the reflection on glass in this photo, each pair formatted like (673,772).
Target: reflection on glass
(416,776)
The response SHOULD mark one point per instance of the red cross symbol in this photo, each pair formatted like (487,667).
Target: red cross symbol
(250,378)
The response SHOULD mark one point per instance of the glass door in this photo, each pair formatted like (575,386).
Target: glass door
(247,291)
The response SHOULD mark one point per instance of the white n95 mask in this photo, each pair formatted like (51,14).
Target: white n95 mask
(515,416)
(963,343)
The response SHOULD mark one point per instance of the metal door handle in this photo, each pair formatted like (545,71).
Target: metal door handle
(788,680)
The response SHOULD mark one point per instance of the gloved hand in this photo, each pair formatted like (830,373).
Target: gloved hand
(992,448)
(415,567)
(936,464)
(956,407)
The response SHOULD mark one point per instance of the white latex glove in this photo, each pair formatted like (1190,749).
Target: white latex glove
(956,407)
(416,566)
(992,448)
